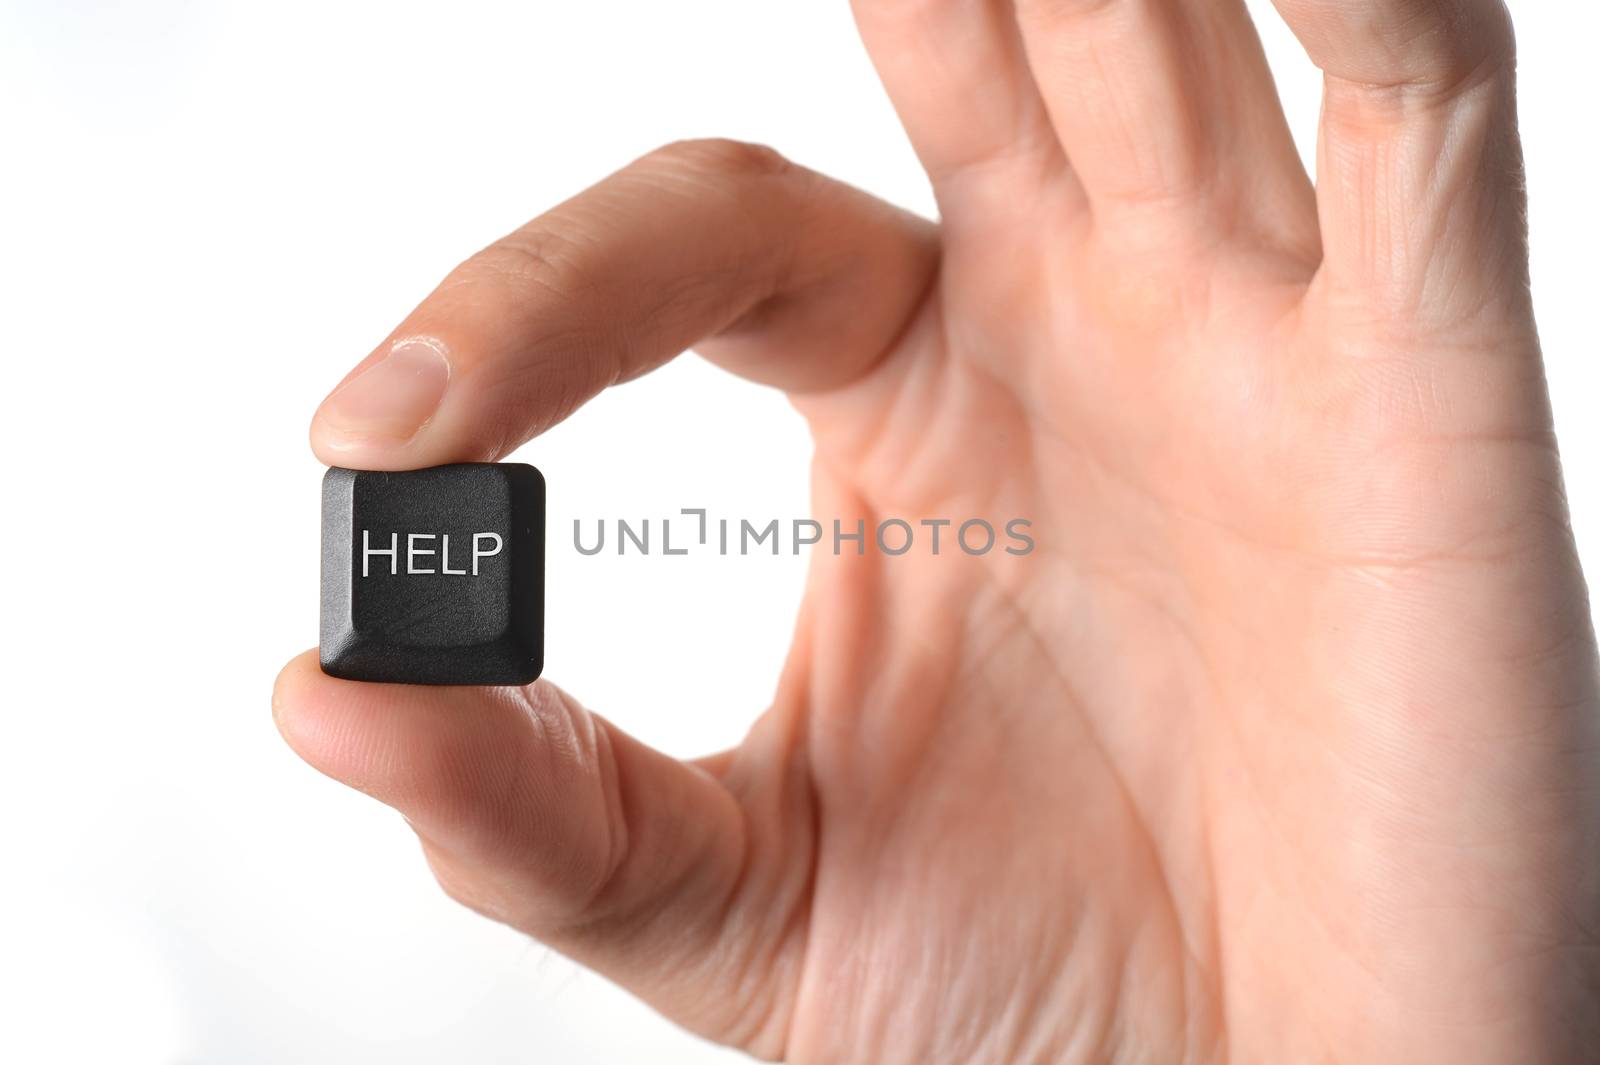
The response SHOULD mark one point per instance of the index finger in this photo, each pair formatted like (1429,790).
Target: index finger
(806,281)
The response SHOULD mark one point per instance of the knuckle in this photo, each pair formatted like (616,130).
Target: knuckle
(1421,48)
(1055,10)
(537,258)
(469,887)
(1456,53)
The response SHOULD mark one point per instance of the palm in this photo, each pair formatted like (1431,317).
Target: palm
(1165,760)
(1280,745)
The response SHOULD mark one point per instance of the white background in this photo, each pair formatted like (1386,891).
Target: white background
(208,212)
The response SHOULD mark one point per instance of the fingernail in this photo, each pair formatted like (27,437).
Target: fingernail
(393,398)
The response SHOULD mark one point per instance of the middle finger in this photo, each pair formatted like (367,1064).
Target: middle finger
(1169,116)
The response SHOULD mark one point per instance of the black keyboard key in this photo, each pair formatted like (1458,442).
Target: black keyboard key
(434,576)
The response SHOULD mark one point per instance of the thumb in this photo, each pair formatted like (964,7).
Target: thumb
(546,817)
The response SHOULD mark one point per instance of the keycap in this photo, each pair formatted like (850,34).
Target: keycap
(434,576)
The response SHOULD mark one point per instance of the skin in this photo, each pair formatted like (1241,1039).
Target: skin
(1283,746)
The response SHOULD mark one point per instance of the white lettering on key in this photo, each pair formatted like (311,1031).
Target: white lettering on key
(412,552)
(444,559)
(484,545)
(478,552)
(367,551)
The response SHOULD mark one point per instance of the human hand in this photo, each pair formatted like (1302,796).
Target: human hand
(1284,745)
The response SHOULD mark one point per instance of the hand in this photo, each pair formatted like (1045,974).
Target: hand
(1283,746)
